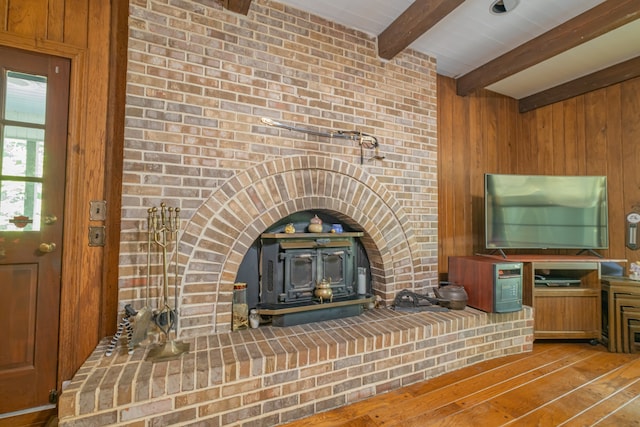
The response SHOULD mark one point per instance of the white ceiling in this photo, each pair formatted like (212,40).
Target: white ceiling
(471,36)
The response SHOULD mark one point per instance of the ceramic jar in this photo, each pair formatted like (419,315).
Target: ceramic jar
(254,318)
(315,225)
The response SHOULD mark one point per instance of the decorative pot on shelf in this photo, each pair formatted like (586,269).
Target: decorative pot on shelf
(323,291)
(452,296)
(254,318)
(315,225)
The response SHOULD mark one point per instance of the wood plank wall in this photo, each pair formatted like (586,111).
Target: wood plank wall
(80,31)
(594,134)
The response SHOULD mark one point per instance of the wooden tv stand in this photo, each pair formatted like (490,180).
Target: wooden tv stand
(567,303)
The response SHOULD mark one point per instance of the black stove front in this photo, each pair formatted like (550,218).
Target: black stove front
(292,265)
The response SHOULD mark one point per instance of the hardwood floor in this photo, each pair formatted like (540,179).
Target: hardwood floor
(557,384)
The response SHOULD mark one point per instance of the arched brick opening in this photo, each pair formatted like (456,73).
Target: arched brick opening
(221,231)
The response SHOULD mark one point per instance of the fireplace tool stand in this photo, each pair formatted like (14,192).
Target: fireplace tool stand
(163,228)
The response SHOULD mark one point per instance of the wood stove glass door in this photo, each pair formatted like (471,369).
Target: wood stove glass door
(334,266)
(299,274)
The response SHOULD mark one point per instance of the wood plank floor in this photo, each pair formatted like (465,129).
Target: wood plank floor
(557,384)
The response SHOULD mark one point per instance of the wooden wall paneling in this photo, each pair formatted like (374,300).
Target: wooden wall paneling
(459,170)
(476,135)
(580,159)
(119,36)
(509,132)
(592,134)
(488,125)
(467,144)
(528,160)
(4,9)
(570,136)
(27,18)
(55,20)
(445,151)
(543,156)
(78,23)
(630,145)
(523,140)
(615,172)
(73,261)
(485,135)
(92,153)
(446,87)
(558,155)
(596,132)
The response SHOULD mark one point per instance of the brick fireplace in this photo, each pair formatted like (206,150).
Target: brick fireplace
(199,80)
(248,204)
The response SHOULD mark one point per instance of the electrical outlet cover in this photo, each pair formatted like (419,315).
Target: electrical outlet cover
(96,236)
(97,210)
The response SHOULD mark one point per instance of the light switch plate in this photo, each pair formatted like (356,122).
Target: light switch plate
(96,236)
(97,210)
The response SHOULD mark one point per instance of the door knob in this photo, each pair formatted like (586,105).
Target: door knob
(47,247)
(50,219)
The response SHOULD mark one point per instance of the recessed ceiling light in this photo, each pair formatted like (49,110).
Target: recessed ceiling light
(499,7)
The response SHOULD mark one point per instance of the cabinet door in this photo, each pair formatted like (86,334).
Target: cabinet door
(567,314)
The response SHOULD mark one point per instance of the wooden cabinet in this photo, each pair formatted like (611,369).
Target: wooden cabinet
(565,294)
(567,300)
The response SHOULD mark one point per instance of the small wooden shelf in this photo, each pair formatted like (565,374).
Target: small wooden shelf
(312,236)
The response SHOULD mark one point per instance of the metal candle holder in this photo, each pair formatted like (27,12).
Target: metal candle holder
(163,227)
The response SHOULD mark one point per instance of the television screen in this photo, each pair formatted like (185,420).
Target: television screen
(546,212)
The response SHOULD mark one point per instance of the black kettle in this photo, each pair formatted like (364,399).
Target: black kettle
(451,296)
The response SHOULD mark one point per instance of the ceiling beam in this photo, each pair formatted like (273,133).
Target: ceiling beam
(237,6)
(593,23)
(598,80)
(415,21)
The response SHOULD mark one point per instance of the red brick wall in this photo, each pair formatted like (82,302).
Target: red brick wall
(199,80)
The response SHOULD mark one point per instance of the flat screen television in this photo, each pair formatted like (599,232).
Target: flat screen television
(546,212)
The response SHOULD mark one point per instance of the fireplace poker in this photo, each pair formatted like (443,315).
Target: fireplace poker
(364,140)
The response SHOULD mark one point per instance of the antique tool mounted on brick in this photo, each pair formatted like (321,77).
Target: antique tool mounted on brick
(364,140)
(163,228)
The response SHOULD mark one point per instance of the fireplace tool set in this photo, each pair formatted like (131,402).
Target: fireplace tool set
(363,139)
(163,226)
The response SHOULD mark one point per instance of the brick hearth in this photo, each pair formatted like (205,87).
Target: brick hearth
(269,375)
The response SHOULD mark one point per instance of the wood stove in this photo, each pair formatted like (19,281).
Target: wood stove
(292,264)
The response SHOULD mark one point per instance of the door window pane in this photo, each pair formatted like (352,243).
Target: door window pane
(19,199)
(26,97)
(22,139)
(22,152)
